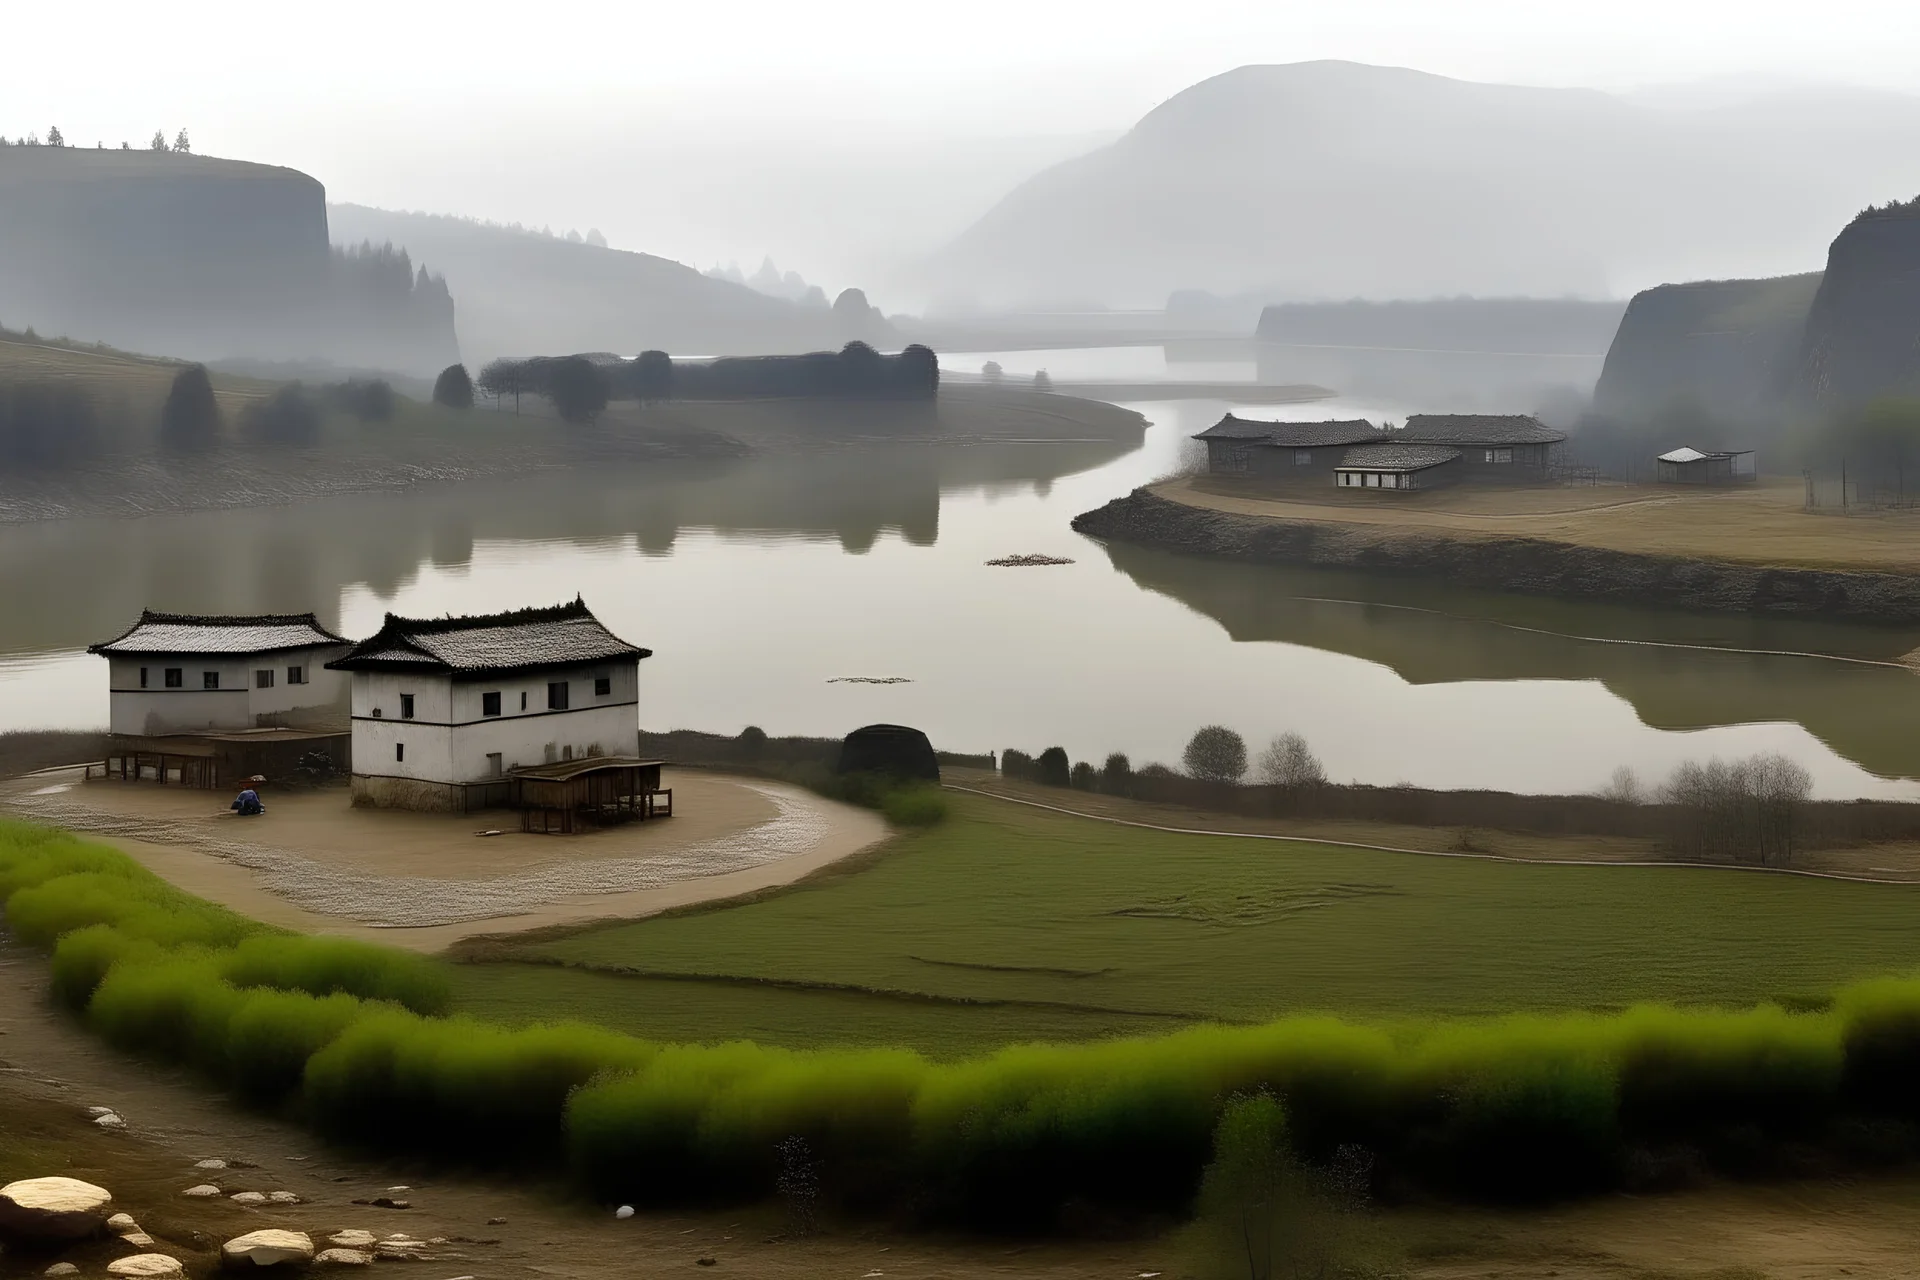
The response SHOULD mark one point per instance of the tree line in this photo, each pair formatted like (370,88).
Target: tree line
(180,145)
(580,387)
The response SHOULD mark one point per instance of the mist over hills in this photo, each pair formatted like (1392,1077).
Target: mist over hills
(1340,180)
(521,293)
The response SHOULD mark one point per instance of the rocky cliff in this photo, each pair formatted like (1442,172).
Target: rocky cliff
(189,256)
(1862,336)
(1530,565)
(1728,346)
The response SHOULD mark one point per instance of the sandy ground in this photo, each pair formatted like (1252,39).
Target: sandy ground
(315,863)
(51,1070)
(1762,524)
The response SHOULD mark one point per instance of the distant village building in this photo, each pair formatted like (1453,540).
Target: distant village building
(1506,448)
(1398,466)
(1687,465)
(1282,450)
(446,710)
(206,699)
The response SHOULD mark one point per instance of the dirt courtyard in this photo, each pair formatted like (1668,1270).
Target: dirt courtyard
(314,862)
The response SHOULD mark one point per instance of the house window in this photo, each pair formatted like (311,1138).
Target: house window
(1303,457)
(494,768)
(263,679)
(557,695)
(406,706)
(523,699)
(296,675)
(209,679)
(490,705)
(1499,455)
(143,677)
(602,686)
(399,751)
(173,678)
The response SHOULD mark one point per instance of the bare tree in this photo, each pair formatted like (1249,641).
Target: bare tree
(1289,762)
(1624,787)
(1742,811)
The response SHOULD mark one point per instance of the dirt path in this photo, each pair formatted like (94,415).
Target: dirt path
(425,881)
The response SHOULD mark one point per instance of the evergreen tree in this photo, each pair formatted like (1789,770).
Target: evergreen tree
(54,138)
(181,144)
(453,388)
(159,142)
(190,419)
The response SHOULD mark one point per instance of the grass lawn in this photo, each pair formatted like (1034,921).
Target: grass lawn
(1013,924)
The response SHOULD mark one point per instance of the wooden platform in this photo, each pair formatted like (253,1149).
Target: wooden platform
(560,798)
(220,758)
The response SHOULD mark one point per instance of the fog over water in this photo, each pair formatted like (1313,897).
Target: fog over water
(759,583)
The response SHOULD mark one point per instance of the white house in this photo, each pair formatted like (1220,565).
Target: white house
(179,673)
(445,707)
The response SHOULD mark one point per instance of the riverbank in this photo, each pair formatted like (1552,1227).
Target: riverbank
(1747,552)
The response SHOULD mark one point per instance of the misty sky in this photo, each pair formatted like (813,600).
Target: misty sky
(837,137)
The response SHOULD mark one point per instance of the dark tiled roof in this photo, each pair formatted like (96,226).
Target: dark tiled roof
(1477,428)
(1292,435)
(1397,457)
(490,643)
(158,633)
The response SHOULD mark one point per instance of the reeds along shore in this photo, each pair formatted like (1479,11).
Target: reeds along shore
(354,1039)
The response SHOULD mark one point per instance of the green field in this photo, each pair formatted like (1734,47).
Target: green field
(1011,924)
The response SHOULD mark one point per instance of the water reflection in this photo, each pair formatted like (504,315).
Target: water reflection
(1679,671)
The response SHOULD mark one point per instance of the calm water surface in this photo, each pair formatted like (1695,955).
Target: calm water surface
(763,585)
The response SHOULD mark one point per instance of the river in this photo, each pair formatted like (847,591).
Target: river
(772,588)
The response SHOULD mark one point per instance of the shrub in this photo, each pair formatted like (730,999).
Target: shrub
(368,399)
(287,418)
(453,388)
(325,966)
(1116,776)
(1216,754)
(1084,777)
(1017,764)
(914,805)
(190,418)
(576,386)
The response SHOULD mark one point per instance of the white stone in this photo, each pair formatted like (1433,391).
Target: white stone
(282,1197)
(138,1239)
(344,1258)
(204,1190)
(61,1269)
(624,1212)
(394,1191)
(248,1197)
(99,1111)
(209,1164)
(146,1264)
(110,1121)
(53,1209)
(352,1239)
(268,1248)
(122,1222)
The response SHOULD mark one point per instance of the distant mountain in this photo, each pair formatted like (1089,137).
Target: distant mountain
(522,293)
(1730,347)
(1333,180)
(205,259)
(1863,327)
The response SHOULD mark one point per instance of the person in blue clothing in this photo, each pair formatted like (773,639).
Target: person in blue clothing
(247,804)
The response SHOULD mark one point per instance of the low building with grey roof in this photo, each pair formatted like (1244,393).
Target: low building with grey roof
(1305,451)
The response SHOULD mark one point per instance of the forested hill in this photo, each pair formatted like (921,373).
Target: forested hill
(522,292)
(205,259)
(1730,347)
(1863,329)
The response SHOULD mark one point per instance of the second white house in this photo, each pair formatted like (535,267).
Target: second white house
(445,708)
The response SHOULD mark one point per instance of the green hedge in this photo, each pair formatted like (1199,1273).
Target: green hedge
(352,1037)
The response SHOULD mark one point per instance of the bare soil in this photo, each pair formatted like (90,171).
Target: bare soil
(1763,524)
(314,862)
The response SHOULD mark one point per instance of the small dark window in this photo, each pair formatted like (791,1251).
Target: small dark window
(523,699)
(173,678)
(1303,457)
(406,706)
(263,679)
(602,686)
(296,675)
(490,703)
(557,695)
(399,751)
(143,677)
(209,679)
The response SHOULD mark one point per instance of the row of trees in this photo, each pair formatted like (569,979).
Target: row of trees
(1749,810)
(1214,754)
(55,138)
(580,388)
(994,375)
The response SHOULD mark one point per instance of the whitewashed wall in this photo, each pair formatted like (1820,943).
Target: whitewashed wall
(235,705)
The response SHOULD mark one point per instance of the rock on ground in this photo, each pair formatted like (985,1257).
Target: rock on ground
(267,1248)
(61,1269)
(146,1264)
(122,1222)
(248,1197)
(344,1258)
(53,1209)
(203,1191)
(352,1239)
